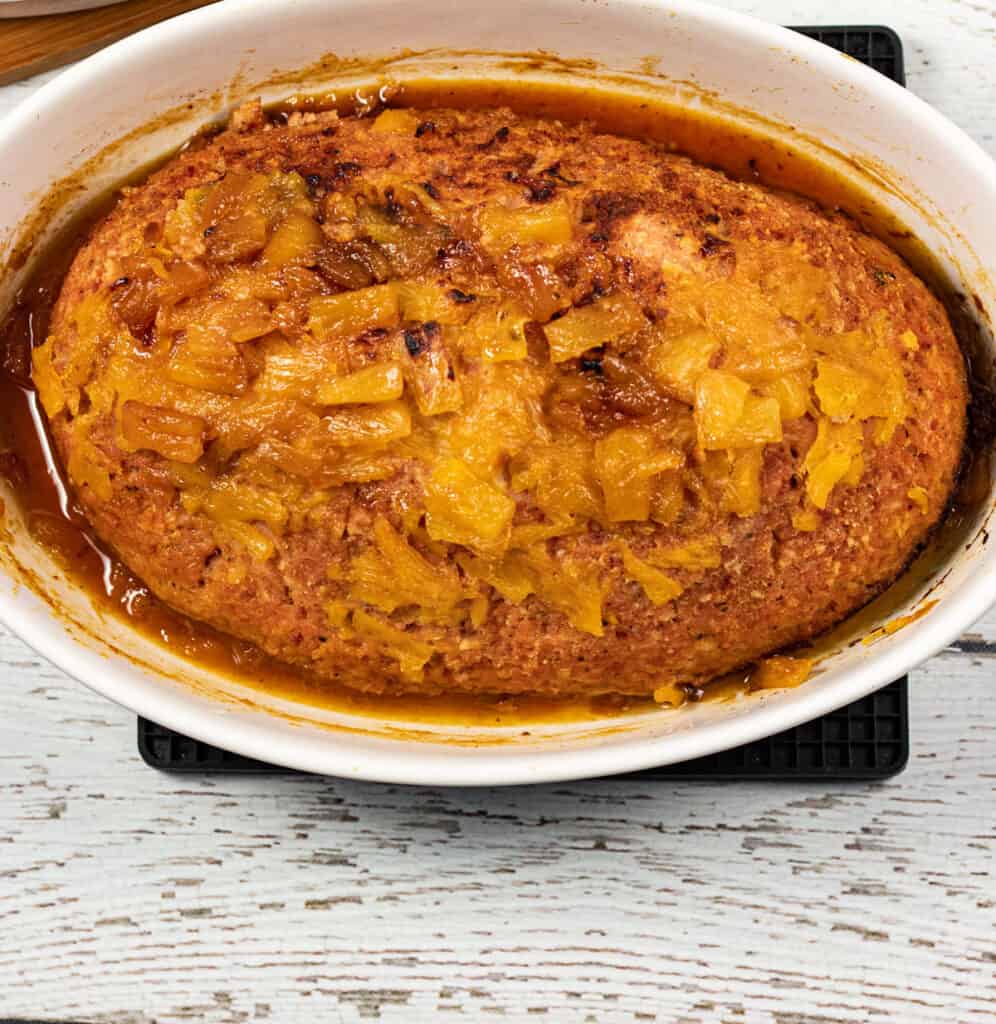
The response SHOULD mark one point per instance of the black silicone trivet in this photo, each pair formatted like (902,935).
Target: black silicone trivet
(868,739)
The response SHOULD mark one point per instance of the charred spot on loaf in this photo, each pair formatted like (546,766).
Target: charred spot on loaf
(712,245)
(461,297)
(499,136)
(882,277)
(430,189)
(345,170)
(424,127)
(553,171)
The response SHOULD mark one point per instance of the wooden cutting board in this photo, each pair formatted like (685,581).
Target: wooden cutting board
(31,45)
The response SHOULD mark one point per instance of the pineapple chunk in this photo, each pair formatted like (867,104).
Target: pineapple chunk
(625,463)
(512,577)
(502,228)
(296,240)
(573,589)
(831,458)
(560,477)
(671,694)
(791,392)
(85,469)
(47,380)
(206,360)
(229,501)
(410,652)
(502,417)
(395,122)
(678,363)
(658,586)
(727,415)
(697,553)
(463,509)
(375,427)
(426,303)
(174,435)
(780,672)
(918,495)
(586,327)
(429,370)
(394,575)
(743,489)
(499,334)
(254,540)
(667,499)
(351,313)
(372,384)
(844,393)
(806,520)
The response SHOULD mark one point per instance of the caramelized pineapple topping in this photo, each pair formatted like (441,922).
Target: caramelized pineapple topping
(271,346)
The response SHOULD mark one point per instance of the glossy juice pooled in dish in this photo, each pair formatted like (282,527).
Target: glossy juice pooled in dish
(452,420)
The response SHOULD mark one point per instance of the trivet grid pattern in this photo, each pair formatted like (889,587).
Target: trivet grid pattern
(866,740)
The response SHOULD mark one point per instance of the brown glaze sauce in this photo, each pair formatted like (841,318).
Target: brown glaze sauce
(28,463)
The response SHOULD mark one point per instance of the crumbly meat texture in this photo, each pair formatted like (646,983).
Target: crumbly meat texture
(695,253)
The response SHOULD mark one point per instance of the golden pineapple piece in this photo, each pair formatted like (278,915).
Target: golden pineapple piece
(233,501)
(376,426)
(806,520)
(429,370)
(667,498)
(696,553)
(463,509)
(512,577)
(351,313)
(172,434)
(500,333)
(918,495)
(625,464)
(780,672)
(560,477)
(679,362)
(382,382)
(86,469)
(502,227)
(296,240)
(831,457)
(393,575)
(205,359)
(743,489)
(503,416)
(572,588)
(843,393)
(395,122)
(605,321)
(422,302)
(47,380)
(728,415)
(792,393)
(259,545)
(410,652)
(671,694)
(658,586)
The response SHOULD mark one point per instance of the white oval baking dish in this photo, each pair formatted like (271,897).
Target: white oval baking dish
(197,66)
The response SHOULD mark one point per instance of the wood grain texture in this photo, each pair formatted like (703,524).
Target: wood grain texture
(29,46)
(127,896)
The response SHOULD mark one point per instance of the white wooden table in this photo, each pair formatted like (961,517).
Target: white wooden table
(129,896)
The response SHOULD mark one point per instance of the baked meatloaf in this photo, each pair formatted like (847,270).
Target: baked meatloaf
(466,401)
